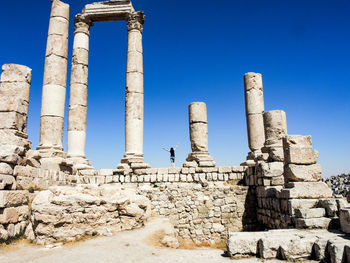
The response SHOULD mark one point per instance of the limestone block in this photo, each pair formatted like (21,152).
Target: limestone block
(6,168)
(197,112)
(276,154)
(26,171)
(297,141)
(54,102)
(134,82)
(254,97)
(55,70)
(80,56)
(51,131)
(57,45)
(10,215)
(303,173)
(12,137)
(335,251)
(273,169)
(268,191)
(81,41)
(77,118)
(199,137)
(79,74)
(16,73)
(277,180)
(322,222)
(275,126)
(256,136)
(243,244)
(289,205)
(10,198)
(13,120)
(58,26)
(344,215)
(7,182)
(298,248)
(18,89)
(310,212)
(331,206)
(11,153)
(306,190)
(134,62)
(3,233)
(78,94)
(13,104)
(297,155)
(135,41)
(59,9)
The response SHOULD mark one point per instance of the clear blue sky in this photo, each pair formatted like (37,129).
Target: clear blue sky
(199,51)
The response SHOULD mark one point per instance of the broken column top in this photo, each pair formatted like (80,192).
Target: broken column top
(108,10)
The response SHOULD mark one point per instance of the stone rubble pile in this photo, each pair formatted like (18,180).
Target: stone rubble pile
(65,213)
(340,184)
(290,244)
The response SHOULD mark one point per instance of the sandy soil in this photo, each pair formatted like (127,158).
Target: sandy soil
(127,247)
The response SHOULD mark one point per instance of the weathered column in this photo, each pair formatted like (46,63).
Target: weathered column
(199,137)
(78,90)
(55,78)
(275,123)
(134,94)
(254,103)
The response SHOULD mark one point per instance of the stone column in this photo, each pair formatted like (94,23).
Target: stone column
(254,103)
(199,137)
(55,78)
(134,94)
(275,123)
(78,90)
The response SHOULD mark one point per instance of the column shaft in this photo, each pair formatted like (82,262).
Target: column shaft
(134,87)
(55,78)
(78,89)
(254,102)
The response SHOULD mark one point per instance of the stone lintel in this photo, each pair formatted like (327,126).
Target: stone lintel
(109,10)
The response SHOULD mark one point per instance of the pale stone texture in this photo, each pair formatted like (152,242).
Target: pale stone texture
(133,156)
(77,115)
(306,190)
(254,103)
(198,136)
(301,173)
(55,77)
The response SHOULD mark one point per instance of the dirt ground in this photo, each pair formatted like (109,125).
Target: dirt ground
(127,247)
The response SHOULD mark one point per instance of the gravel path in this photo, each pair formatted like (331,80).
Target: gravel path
(126,247)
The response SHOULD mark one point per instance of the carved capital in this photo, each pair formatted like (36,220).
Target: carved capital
(82,23)
(135,20)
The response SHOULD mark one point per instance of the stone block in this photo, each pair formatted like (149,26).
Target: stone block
(10,198)
(26,171)
(277,180)
(330,205)
(6,168)
(276,154)
(15,89)
(105,172)
(303,173)
(7,182)
(310,212)
(274,169)
(275,124)
(344,215)
(335,251)
(301,141)
(9,215)
(13,104)
(13,137)
(13,120)
(312,223)
(297,155)
(15,72)
(243,244)
(306,190)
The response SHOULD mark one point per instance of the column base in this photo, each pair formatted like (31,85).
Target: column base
(199,159)
(133,161)
(80,162)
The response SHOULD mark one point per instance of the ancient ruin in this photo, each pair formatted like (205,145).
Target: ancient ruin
(276,191)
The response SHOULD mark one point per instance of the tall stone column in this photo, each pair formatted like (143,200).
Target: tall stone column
(78,91)
(134,94)
(199,137)
(55,78)
(254,104)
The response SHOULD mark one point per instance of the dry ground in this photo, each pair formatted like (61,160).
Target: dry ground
(135,246)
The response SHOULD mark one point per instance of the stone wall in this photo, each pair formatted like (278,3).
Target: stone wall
(203,204)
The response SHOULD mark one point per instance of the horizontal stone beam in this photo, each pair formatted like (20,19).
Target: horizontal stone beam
(108,10)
